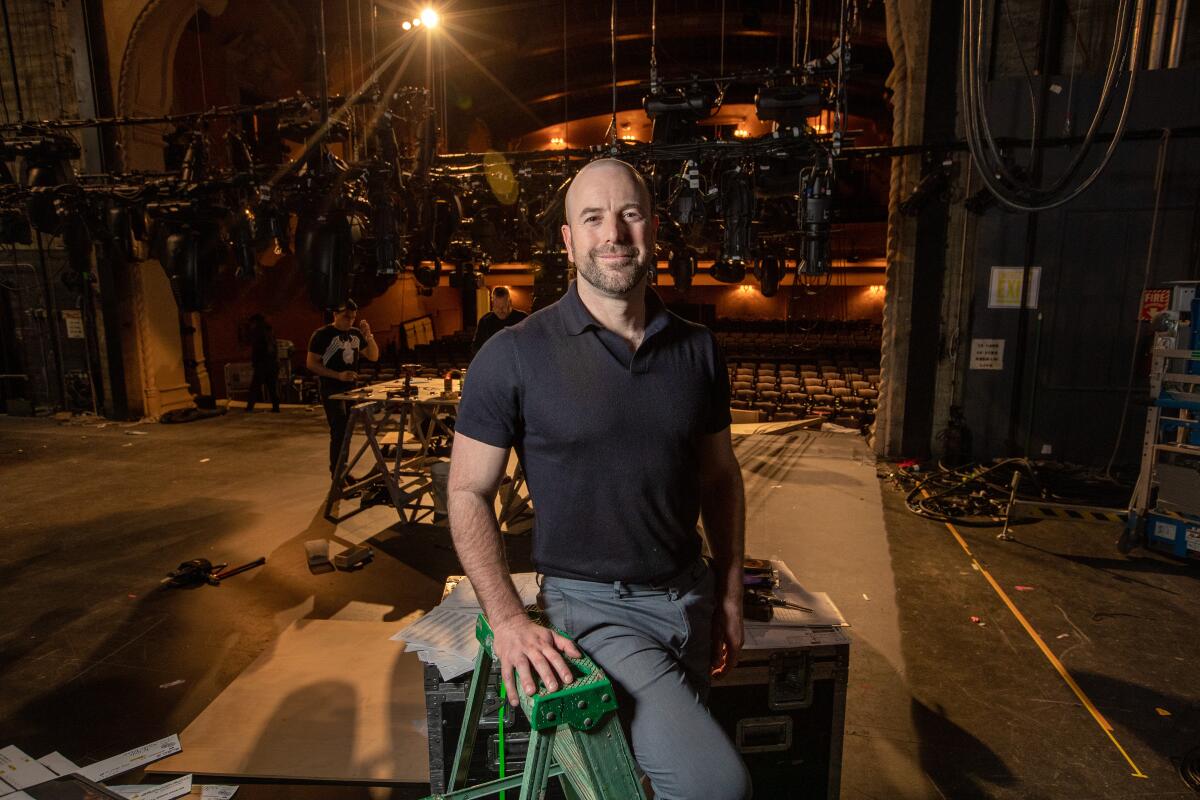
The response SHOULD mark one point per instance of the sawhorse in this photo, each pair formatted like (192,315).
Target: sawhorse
(575,735)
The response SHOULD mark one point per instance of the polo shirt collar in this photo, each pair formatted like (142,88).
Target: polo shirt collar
(577,319)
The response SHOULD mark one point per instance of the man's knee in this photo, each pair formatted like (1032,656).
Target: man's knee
(723,778)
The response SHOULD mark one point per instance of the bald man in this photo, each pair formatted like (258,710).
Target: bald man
(619,412)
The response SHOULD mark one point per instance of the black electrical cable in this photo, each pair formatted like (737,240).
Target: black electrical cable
(1033,106)
(977,121)
(995,174)
(1189,769)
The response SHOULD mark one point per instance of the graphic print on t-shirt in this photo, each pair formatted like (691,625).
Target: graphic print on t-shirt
(347,346)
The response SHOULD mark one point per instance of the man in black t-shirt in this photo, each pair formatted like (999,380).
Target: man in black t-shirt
(333,355)
(500,317)
(619,413)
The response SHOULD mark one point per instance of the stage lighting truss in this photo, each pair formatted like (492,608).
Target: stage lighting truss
(748,203)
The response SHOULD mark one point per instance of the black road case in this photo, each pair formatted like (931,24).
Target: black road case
(785,711)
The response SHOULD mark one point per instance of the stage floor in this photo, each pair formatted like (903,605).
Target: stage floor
(95,659)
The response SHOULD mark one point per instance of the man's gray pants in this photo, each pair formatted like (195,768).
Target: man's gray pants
(655,645)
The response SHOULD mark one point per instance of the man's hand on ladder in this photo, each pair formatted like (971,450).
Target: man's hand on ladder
(523,647)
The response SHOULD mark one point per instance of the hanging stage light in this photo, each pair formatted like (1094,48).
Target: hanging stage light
(430,18)
(769,271)
(428,273)
(790,106)
(816,214)
(676,114)
(728,270)
(323,249)
(191,254)
(682,266)
(737,206)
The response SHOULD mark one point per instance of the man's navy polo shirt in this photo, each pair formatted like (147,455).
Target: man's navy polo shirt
(608,438)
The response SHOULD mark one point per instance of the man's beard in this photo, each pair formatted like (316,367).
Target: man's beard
(616,279)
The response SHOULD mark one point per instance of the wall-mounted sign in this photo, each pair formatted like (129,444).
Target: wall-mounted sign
(987,354)
(1154,301)
(1004,290)
(74,322)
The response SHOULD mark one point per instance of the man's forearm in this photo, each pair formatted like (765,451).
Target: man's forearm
(723,509)
(322,370)
(478,543)
(371,352)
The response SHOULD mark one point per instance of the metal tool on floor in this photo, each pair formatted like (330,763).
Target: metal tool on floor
(575,736)
(200,571)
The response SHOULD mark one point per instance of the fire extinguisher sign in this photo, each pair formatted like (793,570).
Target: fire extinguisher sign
(1154,301)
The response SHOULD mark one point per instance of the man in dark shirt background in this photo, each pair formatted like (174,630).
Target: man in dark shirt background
(264,356)
(333,354)
(500,317)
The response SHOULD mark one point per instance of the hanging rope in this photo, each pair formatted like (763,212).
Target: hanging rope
(566,93)
(721,68)
(654,47)
(200,55)
(350,75)
(612,43)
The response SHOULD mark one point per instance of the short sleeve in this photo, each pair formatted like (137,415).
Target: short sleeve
(315,345)
(719,417)
(490,408)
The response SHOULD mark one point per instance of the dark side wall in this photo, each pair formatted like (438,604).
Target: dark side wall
(1084,334)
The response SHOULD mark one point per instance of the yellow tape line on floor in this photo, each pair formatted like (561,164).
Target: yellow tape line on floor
(1053,659)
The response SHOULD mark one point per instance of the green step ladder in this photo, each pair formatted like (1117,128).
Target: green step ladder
(575,735)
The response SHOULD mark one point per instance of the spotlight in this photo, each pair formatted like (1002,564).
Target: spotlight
(768,270)
(406,25)
(728,270)
(787,105)
(682,266)
(416,23)
(430,18)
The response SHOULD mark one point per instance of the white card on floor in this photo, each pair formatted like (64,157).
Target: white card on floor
(217,791)
(132,759)
(18,769)
(59,763)
(165,791)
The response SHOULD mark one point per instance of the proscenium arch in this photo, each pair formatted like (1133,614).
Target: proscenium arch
(145,83)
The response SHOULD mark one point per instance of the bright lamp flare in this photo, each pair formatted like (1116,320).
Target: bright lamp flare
(430,18)
(406,25)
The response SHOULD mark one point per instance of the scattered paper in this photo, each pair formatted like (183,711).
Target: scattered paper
(1162,712)
(172,683)
(205,460)
(19,770)
(866,598)
(59,763)
(166,791)
(1023,588)
(1062,636)
(445,637)
(217,791)
(132,759)
(135,433)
